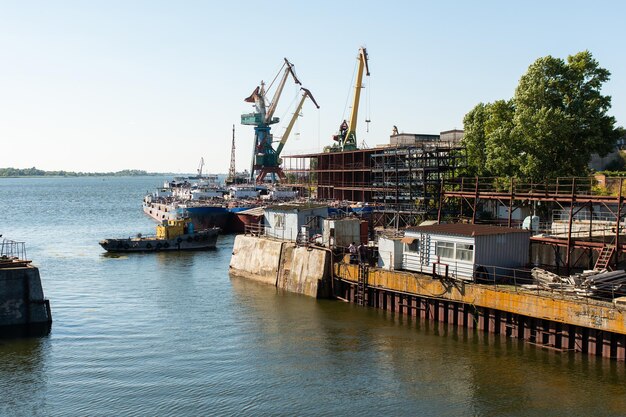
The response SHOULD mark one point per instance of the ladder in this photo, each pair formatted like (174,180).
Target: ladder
(605,257)
(361,283)
(424,249)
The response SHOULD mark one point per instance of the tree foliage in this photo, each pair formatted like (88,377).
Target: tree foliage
(555,121)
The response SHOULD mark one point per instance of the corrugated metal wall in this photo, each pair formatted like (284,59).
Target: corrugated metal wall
(509,250)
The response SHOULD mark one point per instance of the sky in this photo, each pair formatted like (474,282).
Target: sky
(99,86)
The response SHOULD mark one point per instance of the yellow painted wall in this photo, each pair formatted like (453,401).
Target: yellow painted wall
(545,305)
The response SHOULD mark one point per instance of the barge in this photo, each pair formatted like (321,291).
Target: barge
(171,235)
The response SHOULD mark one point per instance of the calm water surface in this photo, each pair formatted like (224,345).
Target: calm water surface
(172,334)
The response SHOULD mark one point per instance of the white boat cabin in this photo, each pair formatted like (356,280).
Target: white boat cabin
(207,194)
(463,248)
(281,193)
(243,191)
(162,192)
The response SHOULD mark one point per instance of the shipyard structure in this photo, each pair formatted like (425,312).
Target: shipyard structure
(399,182)
(539,262)
(396,227)
(470,276)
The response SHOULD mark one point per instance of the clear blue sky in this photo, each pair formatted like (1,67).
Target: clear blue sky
(155,85)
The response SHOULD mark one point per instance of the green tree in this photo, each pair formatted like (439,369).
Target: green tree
(474,138)
(556,120)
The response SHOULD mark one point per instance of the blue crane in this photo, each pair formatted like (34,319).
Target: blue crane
(265,159)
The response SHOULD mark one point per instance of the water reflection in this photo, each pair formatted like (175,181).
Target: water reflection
(432,366)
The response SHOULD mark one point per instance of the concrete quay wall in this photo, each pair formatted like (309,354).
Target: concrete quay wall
(549,320)
(299,269)
(22,301)
(256,258)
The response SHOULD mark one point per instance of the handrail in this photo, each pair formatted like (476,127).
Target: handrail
(13,253)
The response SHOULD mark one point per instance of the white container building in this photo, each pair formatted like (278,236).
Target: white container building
(390,251)
(463,248)
(341,232)
(285,221)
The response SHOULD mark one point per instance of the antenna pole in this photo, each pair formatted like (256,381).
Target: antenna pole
(231,171)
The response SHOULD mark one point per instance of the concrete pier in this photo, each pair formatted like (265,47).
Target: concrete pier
(299,269)
(23,309)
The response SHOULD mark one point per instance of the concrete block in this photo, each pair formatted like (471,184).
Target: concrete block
(21,297)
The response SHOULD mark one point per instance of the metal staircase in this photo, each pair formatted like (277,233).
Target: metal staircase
(605,257)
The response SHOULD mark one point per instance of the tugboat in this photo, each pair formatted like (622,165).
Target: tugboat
(174,234)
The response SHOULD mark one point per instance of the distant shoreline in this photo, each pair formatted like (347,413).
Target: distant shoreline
(38,173)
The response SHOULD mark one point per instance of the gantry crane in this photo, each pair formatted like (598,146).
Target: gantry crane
(265,160)
(346,138)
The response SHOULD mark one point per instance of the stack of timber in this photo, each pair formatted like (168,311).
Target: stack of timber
(547,280)
(607,284)
(599,284)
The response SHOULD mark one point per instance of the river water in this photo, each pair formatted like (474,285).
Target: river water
(172,334)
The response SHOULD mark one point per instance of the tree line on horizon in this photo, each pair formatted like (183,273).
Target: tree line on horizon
(34,172)
(557,118)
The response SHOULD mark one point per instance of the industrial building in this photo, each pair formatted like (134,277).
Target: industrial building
(581,225)
(461,250)
(401,181)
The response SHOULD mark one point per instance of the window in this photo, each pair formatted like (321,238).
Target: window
(412,244)
(445,249)
(312,222)
(279,220)
(464,252)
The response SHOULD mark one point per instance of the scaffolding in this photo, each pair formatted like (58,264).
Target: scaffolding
(401,184)
(407,181)
(585,220)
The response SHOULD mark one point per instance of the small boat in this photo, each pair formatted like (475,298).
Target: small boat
(177,234)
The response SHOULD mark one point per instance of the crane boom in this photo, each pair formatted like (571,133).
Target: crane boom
(346,138)
(200,167)
(272,108)
(357,90)
(283,140)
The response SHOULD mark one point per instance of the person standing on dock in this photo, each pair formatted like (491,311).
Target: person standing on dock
(353,253)
(362,251)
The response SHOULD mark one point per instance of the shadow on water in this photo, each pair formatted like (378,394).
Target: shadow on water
(25,331)
(23,382)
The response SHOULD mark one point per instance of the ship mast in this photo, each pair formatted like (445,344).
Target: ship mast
(231,170)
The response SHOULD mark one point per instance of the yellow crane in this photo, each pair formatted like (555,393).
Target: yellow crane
(306,93)
(346,138)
